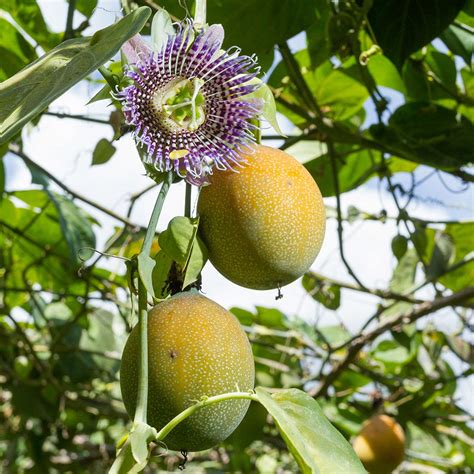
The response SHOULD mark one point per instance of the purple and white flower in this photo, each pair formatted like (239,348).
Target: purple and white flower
(189,102)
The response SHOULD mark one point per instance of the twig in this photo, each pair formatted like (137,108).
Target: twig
(84,118)
(385,294)
(16,150)
(333,158)
(390,323)
(69,32)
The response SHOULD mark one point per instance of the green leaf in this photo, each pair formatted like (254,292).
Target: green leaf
(347,420)
(444,68)
(103,151)
(385,73)
(264,94)
(459,41)
(399,246)
(270,317)
(140,438)
(307,150)
(352,170)
(404,274)
(461,234)
(329,295)
(246,318)
(102,334)
(468,82)
(27,14)
(35,248)
(316,445)
(319,46)
(339,94)
(125,462)
(403,278)
(401,27)
(461,348)
(86,7)
(102,94)
(250,429)
(177,240)
(146,265)
(161,28)
(2,178)
(75,225)
(334,335)
(29,92)
(160,275)
(196,262)
(392,354)
(429,134)
(441,258)
(15,51)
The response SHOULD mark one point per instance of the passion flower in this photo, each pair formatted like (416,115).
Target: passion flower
(188,101)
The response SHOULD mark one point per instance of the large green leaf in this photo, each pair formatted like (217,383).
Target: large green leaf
(316,445)
(319,45)
(339,94)
(75,225)
(28,93)
(460,41)
(461,234)
(385,73)
(429,134)
(352,170)
(402,27)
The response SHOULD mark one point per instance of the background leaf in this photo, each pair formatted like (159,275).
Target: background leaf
(103,151)
(403,27)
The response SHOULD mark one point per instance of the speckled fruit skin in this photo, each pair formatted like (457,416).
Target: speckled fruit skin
(196,348)
(263,226)
(380,445)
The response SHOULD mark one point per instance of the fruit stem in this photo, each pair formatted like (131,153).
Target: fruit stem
(142,398)
(201,404)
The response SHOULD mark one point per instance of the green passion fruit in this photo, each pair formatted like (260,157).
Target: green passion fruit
(196,348)
(264,225)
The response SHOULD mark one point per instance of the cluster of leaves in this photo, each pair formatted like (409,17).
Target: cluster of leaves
(63,322)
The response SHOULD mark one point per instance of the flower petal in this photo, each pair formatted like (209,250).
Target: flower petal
(135,49)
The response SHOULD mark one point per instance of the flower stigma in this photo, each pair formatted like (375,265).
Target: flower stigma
(180,105)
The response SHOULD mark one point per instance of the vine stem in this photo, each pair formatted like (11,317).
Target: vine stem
(187,200)
(201,404)
(142,397)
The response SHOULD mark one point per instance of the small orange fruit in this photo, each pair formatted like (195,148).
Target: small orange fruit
(196,348)
(380,444)
(264,225)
